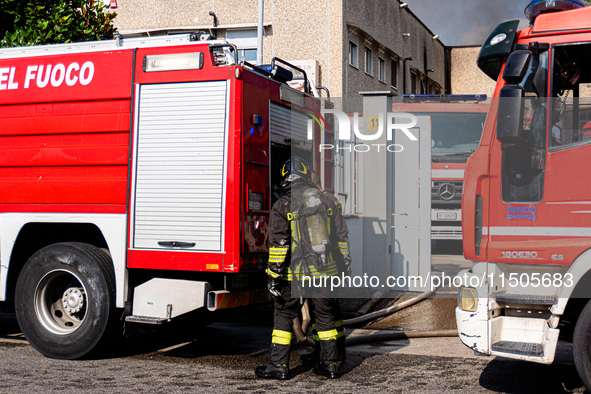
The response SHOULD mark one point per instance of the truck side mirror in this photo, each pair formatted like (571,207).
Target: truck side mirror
(510,114)
(516,66)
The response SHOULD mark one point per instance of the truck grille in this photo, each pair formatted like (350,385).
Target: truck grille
(446,232)
(446,194)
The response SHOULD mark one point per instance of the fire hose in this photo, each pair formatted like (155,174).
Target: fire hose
(389,310)
(301,329)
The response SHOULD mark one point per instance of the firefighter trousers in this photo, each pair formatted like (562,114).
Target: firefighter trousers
(338,319)
(325,312)
(286,309)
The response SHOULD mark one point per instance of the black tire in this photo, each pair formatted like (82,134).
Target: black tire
(582,346)
(65,300)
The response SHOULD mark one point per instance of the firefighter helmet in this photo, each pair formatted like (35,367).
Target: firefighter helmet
(295,168)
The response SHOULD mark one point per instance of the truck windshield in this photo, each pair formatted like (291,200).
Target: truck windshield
(455,135)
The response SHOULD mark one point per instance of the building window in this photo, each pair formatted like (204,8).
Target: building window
(246,42)
(353,54)
(250,55)
(413,83)
(382,69)
(368,61)
(348,183)
(423,82)
(394,74)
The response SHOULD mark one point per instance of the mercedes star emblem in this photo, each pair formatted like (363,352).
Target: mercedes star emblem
(447,191)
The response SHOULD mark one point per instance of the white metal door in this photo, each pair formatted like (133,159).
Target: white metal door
(179,167)
(411,209)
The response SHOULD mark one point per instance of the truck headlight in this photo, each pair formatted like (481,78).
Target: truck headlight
(468,299)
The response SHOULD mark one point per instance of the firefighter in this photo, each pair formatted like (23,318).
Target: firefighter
(345,266)
(283,273)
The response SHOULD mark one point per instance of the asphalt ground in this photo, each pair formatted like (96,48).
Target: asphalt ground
(221,358)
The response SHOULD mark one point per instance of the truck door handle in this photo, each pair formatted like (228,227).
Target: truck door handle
(177,244)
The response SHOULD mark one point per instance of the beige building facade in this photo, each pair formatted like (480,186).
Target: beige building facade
(465,77)
(359,45)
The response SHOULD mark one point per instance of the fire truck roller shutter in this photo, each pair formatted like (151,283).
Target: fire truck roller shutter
(289,127)
(180,166)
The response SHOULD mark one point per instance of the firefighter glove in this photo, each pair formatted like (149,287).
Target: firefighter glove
(273,287)
(347,270)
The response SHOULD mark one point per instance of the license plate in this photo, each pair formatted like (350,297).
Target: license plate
(446,216)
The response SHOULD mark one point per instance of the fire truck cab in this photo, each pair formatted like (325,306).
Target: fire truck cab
(136,180)
(527,193)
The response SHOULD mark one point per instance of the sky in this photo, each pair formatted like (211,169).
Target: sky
(467,22)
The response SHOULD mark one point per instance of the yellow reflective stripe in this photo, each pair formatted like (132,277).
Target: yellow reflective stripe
(281,337)
(278,249)
(313,326)
(281,341)
(333,270)
(344,247)
(328,335)
(282,334)
(341,334)
(278,255)
(339,323)
(272,274)
(315,337)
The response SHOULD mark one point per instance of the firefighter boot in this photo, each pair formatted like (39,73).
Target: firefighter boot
(327,368)
(312,358)
(328,359)
(278,367)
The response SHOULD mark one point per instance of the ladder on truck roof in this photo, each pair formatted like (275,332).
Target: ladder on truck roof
(105,45)
(444,98)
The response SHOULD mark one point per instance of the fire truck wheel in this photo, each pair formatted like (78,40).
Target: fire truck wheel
(582,345)
(65,300)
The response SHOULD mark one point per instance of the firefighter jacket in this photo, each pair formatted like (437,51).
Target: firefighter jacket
(282,230)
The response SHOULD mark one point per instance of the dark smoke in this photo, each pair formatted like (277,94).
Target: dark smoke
(467,22)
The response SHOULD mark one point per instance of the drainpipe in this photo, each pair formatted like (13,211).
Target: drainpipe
(409,59)
(260,33)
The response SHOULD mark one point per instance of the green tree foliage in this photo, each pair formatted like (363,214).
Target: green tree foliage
(587,2)
(37,22)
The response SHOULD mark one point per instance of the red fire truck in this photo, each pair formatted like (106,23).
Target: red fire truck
(456,127)
(526,196)
(136,179)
